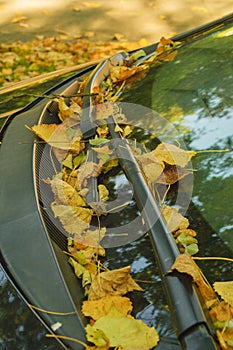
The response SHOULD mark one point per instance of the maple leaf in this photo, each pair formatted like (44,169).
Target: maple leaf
(172,154)
(99,308)
(174,220)
(74,219)
(126,333)
(225,290)
(115,282)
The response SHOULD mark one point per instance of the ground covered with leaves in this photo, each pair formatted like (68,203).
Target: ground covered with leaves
(21,60)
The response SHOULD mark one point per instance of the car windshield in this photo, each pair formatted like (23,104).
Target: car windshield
(192,100)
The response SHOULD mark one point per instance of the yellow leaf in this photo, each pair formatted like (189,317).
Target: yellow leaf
(174,220)
(99,308)
(74,219)
(120,73)
(125,333)
(18,19)
(87,170)
(115,282)
(172,154)
(91,238)
(103,192)
(104,149)
(66,194)
(151,166)
(225,290)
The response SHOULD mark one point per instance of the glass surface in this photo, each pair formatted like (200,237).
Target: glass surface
(194,93)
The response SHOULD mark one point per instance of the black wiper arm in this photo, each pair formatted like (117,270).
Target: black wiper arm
(189,319)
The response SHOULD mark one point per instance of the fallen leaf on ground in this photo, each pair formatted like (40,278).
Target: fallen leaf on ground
(99,308)
(114,282)
(125,333)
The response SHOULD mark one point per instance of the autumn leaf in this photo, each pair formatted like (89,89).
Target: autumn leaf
(152,167)
(72,112)
(174,220)
(120,73)
(91,238)
(123,332)
(172,154)
(225,290)
(172,174)
(99,308)
(115,282)
(103,192)
(65,193)
(87,170)
(74,219)
(185,264)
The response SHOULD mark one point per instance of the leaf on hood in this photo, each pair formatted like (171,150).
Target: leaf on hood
(152,167)
(120,73)
(115,282)
(225,290)
(74,219)
(174,220)
(99,308)
(125,333)
(172,154)
(66,194)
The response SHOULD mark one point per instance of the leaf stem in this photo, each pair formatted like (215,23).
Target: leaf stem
(212,258)
(66,338)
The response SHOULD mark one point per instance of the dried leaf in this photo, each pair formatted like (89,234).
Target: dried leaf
(120,73)
(99,308)
(225,290)
(66,194)
(91,238)
(123,332)
(185,264)
(151,166)
(103,192)
(115,282)
(87,170)
(172,174)
(74,219)
(172,154)
(174,220)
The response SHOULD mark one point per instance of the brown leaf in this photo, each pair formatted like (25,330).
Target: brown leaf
(185,264)
(172,174)
(115,282)
(99,308)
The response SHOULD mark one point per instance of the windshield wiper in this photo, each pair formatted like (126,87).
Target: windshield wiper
(190,322)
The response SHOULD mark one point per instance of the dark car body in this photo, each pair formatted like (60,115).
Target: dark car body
(193,94)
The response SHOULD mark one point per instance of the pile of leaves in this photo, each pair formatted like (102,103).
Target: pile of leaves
(108,306)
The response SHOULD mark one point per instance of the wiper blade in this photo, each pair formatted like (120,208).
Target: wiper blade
(189,319)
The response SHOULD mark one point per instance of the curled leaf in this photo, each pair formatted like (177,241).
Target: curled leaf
(115,282)
(174,220)
(172,154)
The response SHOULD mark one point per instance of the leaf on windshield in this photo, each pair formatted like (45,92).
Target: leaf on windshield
(115,282)
(225,290)
(121,73)
(74,219)
(66,194)
(172,154)
(91,238)
(103,192)
(72,112)
(172,174)
(99,308)
(184,263)
(125,333)
(174,220)
(87,170)
(151,166)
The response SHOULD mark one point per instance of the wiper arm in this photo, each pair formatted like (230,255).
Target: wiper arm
(189,319)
